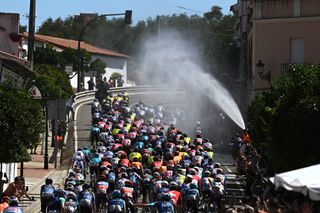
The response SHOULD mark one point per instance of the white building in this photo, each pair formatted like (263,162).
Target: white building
(116,62)
(11,66)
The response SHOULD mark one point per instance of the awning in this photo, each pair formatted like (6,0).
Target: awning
(305,181)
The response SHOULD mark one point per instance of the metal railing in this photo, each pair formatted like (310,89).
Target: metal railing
(90,94)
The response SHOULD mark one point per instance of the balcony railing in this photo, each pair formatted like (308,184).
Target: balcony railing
(287,66)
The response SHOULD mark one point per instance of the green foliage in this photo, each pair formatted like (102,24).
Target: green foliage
(52,82)
(285,119)
(98,66)
(22,28)
(116,75)
(21,122)
(47,55)
(212,34)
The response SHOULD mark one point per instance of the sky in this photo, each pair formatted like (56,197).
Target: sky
(141,9)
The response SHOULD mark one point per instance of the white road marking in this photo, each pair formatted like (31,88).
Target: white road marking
(229,170)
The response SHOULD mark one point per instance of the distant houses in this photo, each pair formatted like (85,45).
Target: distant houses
(116,62)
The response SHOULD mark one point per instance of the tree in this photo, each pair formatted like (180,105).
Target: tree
(284,120)
(21,122)
(52,82)
(116,76)
(98,66)
(212,34)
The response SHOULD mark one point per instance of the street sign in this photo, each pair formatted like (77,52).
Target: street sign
(35,92)
(69,69)
(57,109)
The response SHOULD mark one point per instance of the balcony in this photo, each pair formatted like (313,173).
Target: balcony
(287,66)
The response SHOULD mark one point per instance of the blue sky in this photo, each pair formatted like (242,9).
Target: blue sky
(142,9)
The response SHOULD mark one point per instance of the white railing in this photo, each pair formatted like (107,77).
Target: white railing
(90,94)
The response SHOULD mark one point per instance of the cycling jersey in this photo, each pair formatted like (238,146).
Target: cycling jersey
(13,209)
(137,165)
(206,183)
(162,206)
(176,197)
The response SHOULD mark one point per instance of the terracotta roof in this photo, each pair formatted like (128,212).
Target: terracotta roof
(68,43)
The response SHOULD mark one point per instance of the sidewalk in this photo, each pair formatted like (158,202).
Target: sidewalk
(35,175)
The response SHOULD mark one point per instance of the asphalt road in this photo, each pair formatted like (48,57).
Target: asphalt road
(234,184)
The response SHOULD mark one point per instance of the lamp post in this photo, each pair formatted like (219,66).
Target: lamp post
(260,71)
(127,14)
(46,159)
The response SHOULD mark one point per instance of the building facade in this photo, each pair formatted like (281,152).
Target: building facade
(116,62)
(13,67)
(277,33)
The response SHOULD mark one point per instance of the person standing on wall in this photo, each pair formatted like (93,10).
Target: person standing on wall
(120,82)
(91,84)
(111,82)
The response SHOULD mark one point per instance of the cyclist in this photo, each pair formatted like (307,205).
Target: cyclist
(116,203)
(46,193)
(13,206)
(57,202)
(87,199)
(164,205)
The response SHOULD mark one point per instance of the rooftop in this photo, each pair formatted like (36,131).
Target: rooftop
(73,44)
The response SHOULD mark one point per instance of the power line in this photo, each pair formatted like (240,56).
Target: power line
(176,6)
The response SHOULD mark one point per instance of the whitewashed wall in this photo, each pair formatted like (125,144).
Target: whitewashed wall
(12,171)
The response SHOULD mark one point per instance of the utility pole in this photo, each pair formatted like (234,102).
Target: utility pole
(32,17)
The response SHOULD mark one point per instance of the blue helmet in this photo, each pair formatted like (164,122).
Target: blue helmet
(59,193)
(166,197)
(116,194)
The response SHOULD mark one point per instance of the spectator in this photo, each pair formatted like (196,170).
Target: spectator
(120,82)
(2,182)
(69,106)
(245,137)
(4,203)
(111,82)
(14,188)
(91,84)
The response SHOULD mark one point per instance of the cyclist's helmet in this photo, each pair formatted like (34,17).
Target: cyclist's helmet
(116,194)
(48,181)
(193,186)
(166,197)
(217,165)
(59,193)
(72,174)
(164,184)
(173,184)
(13,201)
(69,187)
(85,186)
(207,173)
(72,195)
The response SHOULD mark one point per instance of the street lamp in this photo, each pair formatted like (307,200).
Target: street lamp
(127,19)
(260,71)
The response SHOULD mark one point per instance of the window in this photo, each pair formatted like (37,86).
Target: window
(297,51)
(296,8)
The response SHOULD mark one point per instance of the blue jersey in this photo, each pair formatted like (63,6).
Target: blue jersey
(163,206)
(13,209)
(117,205)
